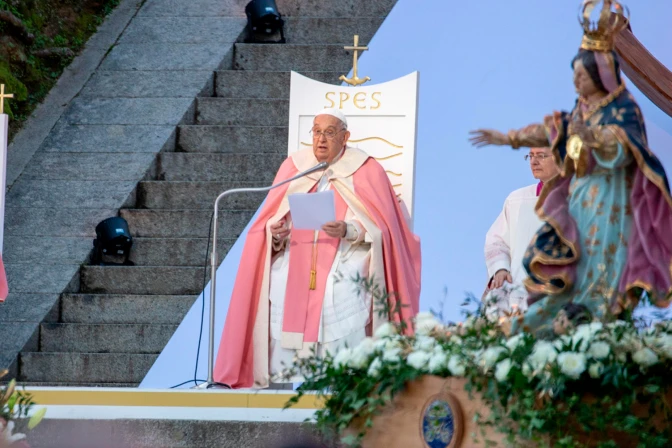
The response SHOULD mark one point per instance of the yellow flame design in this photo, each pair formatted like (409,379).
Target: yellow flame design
(388,157)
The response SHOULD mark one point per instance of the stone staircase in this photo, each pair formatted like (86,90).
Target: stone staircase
(111,331)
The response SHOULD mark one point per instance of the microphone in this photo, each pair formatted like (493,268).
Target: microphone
(213,266)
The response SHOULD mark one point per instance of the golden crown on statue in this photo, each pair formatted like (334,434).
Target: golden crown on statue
(599,36)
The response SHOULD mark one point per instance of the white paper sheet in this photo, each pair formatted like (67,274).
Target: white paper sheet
(310,211)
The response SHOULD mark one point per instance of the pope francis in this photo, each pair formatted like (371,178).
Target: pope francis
(295,289)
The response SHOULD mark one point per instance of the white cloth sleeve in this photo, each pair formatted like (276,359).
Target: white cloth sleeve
(498,244)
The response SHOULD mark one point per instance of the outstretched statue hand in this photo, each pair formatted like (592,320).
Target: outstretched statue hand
(485,137)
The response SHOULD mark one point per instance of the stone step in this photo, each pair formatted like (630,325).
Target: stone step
(98,368)
(160,433)
(242,112)
(182,166)
(105,338)
(233,139)
(288,8)
(184,223)
(326,30)
(264,57)
(160,280)
(176,251)
(243,84)
(196,195)
(124,309)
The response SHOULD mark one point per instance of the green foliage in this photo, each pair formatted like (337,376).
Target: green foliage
(535,394)
(12,85)
(54,24)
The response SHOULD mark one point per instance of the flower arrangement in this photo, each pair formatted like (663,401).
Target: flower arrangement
(596,378)
(15,404)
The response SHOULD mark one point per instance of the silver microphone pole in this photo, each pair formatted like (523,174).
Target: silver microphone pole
(213,266)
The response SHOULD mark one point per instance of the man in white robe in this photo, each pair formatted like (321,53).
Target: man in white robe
(294,291)
(511,233)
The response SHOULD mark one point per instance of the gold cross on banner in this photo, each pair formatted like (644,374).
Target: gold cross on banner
(2,98)
(355,80)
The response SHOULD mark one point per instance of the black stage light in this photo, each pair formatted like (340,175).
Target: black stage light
(263,19)
(113,239)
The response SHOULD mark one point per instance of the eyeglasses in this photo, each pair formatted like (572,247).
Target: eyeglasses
(540,157)
(329,134)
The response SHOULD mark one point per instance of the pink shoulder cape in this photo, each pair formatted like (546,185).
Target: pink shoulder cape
(401,255)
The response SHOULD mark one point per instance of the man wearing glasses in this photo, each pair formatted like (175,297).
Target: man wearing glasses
(511,233)
(301,290)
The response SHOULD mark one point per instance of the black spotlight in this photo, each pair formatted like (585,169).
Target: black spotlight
(263,19)
(114,241)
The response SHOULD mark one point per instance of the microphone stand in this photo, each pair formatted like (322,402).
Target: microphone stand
(213,268)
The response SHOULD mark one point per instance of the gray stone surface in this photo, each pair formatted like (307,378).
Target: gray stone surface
(124,309)
(54,221)
(135,111)
(242,112)
(109,138)
(85,367)
(21,307)
(45,116)
(16,336)
(89,167)
(150,84)
(108,338)
(325,58)
(166,56)
(183,30)
(309,30)
(46,249)
(185,223)
(291,8)
(175,251)
(42,278)
(239,83)
(233,139)
(167,434)
(162,280)
(71,193)
(175,166)
(196,195)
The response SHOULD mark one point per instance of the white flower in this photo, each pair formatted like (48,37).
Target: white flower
(595,369)
(387,343)
(7,434)
(392,355)
(491,356)
(599,350)
(424,343)
(542,353)
(438,361)
(572,364)
(583,336)
(374,368)
(527,370)
(418,360)
(425,323)
(385,330)
(360,354)
(456,366)
(662,345)
(645,357)
(514,342)
(502,370)
(342,357)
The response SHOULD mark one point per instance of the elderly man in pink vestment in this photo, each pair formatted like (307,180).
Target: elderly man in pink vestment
(295,289)
(511,233)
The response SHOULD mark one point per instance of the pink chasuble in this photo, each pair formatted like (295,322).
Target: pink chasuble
(303,306)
